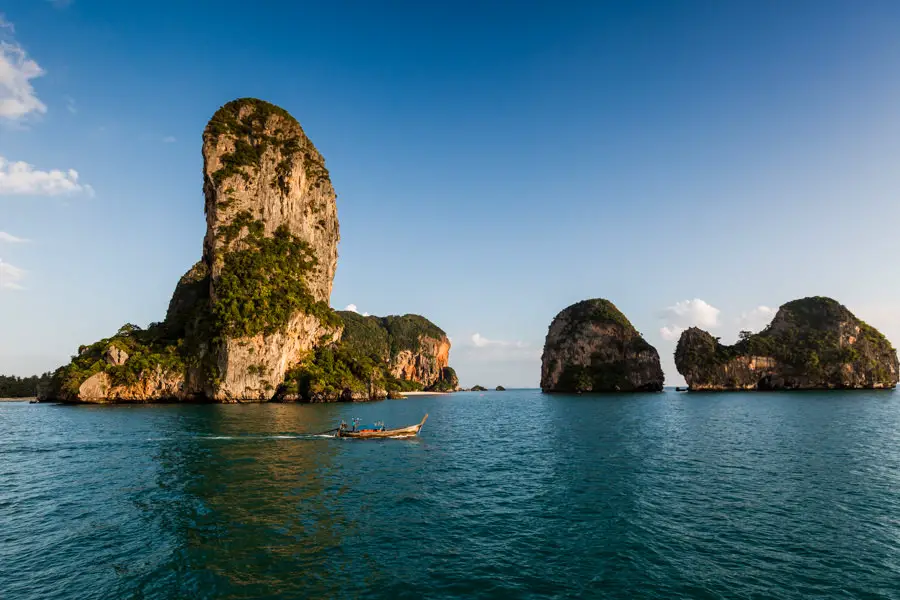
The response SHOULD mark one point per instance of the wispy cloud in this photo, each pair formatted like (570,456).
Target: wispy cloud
(70,104)
(4,24)
(10,276)
(9,238)
(169,139)
(22,179)
(687,313)
(482,342)
(501,349)
(756,319)
(17,96)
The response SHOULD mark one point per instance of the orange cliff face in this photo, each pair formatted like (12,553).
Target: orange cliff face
(424,366)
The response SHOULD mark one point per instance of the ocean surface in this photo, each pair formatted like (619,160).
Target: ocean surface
(505,495)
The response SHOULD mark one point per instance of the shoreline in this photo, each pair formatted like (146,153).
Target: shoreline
(426,393)
(28,399)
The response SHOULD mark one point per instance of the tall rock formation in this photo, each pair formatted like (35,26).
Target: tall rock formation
(592,347)
(271,247)
(812,343)
(254,311)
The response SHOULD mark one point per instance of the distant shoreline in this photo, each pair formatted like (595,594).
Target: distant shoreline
(27,399)
(425,393)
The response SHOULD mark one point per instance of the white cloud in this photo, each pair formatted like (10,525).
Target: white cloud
(169,139)
(490,362)
(481,341)
(11,239)
(687,313)
(70,104)
(756,319)
(670,333)
(10,276)
(21,178)
(353,308)
(17,97)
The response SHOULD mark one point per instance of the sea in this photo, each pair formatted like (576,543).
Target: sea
(513,494)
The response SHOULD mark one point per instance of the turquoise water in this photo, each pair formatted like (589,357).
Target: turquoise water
(505,495)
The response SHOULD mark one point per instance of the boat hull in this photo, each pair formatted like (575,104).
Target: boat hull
(403,432)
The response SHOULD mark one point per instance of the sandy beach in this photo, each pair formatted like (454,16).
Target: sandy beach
(426,393)
(16,399)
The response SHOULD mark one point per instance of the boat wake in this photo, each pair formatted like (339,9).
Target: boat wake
(250,438)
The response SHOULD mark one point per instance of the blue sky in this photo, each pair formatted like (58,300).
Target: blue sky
(694,162)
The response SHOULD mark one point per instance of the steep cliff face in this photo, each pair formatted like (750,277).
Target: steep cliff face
(812,343)
(374,356)
(153,384)
(257,302)
(592,347)
(270,245)
(260,169)
(419,350)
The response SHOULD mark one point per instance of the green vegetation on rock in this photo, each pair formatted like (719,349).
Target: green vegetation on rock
(252,140)
(809,339)
(148,349)
(407,331)
(592,347)
(228,120)
(262,283)
(599,376)
(366,336)
(598,311)
(361,361)
(448,382)
(332,369)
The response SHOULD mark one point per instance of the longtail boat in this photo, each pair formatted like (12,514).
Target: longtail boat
(378,431)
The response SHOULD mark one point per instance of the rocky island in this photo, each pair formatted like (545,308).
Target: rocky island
(375,357)
(592,347)
(251,320)
(812,343)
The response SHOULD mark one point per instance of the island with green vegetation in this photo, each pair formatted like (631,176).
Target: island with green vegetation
(376,357)
(592,347)
(812,343)
(251,321)
(12,386)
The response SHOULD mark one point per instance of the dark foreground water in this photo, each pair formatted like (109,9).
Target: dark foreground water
(505,495)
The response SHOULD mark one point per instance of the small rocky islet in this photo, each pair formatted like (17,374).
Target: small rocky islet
(251,320)
(592,347)
(811,344)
